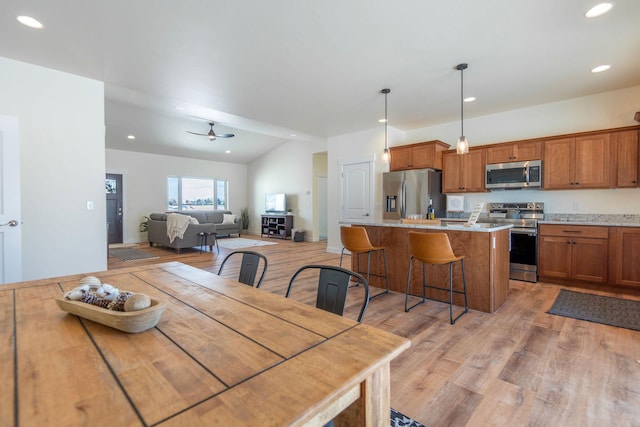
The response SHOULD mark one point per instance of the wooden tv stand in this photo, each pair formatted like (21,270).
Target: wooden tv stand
(277,226)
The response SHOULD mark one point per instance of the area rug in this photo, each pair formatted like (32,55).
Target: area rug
(129,254)
(619,312)
(241,242)
(398,419)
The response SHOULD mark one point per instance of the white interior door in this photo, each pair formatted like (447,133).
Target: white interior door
(357,192)
(322,207)
(10,224)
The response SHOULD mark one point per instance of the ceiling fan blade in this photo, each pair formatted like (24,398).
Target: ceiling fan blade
(195,133)
(224,135)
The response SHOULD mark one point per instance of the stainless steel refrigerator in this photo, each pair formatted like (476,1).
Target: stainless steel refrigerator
(407,193)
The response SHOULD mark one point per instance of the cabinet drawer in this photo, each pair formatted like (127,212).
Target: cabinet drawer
(591,231)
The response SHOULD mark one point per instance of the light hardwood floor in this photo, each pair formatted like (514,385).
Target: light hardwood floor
(516,367)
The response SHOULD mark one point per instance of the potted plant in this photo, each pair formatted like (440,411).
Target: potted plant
(244,216)
(144,225)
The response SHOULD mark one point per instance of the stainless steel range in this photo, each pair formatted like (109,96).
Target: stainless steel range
(523,258)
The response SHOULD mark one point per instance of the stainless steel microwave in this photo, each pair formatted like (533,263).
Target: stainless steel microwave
(515,175)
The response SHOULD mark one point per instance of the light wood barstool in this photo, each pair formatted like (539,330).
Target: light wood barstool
(356,240)
(435,249)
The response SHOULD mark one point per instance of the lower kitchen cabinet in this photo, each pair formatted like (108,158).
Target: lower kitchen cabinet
(626,255)
(574,252)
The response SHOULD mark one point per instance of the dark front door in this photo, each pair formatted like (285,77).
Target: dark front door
(113,186)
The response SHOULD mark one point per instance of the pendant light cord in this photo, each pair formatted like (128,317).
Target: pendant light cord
(462,101)
(386,121)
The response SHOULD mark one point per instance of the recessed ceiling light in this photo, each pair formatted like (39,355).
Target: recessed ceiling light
(599,9)
(293,135)
(470,99)
(131,137)
(29,22)
(600,68)
(228,151)
(382,121)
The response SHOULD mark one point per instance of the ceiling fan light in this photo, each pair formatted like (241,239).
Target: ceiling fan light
(462,147)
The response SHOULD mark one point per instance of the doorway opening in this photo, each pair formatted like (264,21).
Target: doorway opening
(113,188)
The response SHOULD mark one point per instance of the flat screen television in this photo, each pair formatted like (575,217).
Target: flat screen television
(275,203)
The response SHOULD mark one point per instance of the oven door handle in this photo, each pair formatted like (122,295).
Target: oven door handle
(527,231)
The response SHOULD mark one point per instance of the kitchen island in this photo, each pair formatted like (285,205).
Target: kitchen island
(486,251)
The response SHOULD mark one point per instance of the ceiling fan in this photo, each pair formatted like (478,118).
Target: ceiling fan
(212,135)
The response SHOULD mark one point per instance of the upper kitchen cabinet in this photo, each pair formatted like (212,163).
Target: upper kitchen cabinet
(464,173)
(626,158)
(577,162)
(421,155)
(514,152)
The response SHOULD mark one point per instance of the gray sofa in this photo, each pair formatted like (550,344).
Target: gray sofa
(209,221)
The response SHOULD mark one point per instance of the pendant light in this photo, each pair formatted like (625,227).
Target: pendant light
(386,154)
(462,147)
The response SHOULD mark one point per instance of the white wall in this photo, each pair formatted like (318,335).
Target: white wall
(61,120)
(354,146)
(287,169)
(601,111)
(145,184)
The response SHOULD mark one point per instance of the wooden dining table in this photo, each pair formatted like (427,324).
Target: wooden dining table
(223,353)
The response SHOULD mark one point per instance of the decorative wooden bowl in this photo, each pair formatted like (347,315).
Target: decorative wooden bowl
(126,321)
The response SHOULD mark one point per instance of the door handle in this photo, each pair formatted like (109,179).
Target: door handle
(12,223)
(367,214)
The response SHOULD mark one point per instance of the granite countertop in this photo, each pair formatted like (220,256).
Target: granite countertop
(625,220)
(455,225)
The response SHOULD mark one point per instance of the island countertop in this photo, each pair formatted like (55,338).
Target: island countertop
(446,225)
(486,251)
(602,223)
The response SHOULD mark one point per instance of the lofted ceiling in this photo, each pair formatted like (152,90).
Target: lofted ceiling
(267,70)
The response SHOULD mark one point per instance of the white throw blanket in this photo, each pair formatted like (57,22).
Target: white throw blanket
(177,224)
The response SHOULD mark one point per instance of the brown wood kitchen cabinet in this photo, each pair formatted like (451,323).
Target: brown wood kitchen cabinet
(627,157)
(514,152)
(577,162)
(573,252)
(418,156)
(625,245)
(463,173)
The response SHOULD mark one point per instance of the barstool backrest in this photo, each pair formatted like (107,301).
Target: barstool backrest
(355,239)
(431,248)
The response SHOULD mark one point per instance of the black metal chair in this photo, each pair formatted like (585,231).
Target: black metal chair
(333,284)
(249,266)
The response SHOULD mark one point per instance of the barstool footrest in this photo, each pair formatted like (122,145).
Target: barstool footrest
(408,309)
(379,294)
(424,299)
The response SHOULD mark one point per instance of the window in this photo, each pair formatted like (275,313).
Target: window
(186,194)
